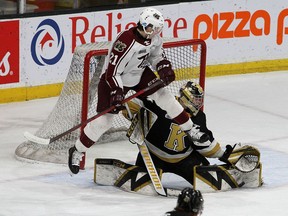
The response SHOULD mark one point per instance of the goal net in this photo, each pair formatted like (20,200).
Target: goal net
(78,98)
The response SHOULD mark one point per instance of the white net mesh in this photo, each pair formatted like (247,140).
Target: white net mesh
(185,55)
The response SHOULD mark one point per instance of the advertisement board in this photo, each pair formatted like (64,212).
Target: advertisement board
(235,32)
(9,52)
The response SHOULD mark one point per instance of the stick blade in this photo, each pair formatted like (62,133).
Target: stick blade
(36,139)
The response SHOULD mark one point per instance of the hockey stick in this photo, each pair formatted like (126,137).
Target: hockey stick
(155,179)
(44,141)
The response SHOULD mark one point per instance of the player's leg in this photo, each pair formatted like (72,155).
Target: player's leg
(93,130)
(184,168)
(166,101)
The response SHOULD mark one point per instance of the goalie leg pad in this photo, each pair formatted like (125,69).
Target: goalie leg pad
(112,172)
(223,177)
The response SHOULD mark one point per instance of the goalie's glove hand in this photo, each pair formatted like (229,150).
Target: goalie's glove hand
(227,153)
(165,71)
(116,98)
(243,158)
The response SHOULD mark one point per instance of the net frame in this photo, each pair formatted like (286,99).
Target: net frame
(89,59)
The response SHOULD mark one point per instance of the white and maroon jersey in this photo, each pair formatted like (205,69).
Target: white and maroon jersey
(128,57)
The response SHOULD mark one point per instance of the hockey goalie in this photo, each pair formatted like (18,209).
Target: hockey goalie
(170,151)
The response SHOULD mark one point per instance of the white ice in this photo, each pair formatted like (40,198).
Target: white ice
(250,108)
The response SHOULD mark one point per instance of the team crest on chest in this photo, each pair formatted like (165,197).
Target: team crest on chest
(147,42)
(119,46)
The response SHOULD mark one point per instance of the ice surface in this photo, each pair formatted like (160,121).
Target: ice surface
(250,108)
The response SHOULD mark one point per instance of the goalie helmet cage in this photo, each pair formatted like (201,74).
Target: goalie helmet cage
(78,98)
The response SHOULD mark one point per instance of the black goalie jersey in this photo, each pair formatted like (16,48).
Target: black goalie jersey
(166,140)
(169,146)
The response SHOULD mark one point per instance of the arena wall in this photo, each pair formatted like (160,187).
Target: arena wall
(242,37)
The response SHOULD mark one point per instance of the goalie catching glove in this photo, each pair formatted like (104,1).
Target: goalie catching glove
(116,98)
(244,158)
(165,71)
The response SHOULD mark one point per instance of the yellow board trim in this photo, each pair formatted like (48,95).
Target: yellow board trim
(53,90)
(30,93)
(246,67)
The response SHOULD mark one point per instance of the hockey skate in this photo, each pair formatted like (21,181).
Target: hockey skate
(196,135)
(74,159)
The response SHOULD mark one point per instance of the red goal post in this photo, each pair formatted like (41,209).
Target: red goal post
(78,98)
(194,43)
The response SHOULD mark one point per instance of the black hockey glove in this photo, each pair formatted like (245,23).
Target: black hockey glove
(227,153)
(116,98)
(165,71)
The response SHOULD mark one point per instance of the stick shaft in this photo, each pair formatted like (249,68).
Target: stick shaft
(155,179)
(53,139)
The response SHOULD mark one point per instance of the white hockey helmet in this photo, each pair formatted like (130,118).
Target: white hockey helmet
(151,17)
(191,97)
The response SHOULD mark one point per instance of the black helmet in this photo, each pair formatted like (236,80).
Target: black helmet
(191,97)
(190,200)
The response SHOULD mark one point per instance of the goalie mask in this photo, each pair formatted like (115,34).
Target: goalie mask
(191,97)
(190,200)
(151,17)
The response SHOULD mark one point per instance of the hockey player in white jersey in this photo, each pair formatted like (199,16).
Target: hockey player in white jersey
(127,67)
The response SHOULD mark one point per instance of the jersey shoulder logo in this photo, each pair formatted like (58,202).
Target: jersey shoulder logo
(119,46)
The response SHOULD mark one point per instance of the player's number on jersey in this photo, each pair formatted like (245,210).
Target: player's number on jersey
(113,59)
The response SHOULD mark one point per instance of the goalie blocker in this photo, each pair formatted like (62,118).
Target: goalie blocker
(131,178)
